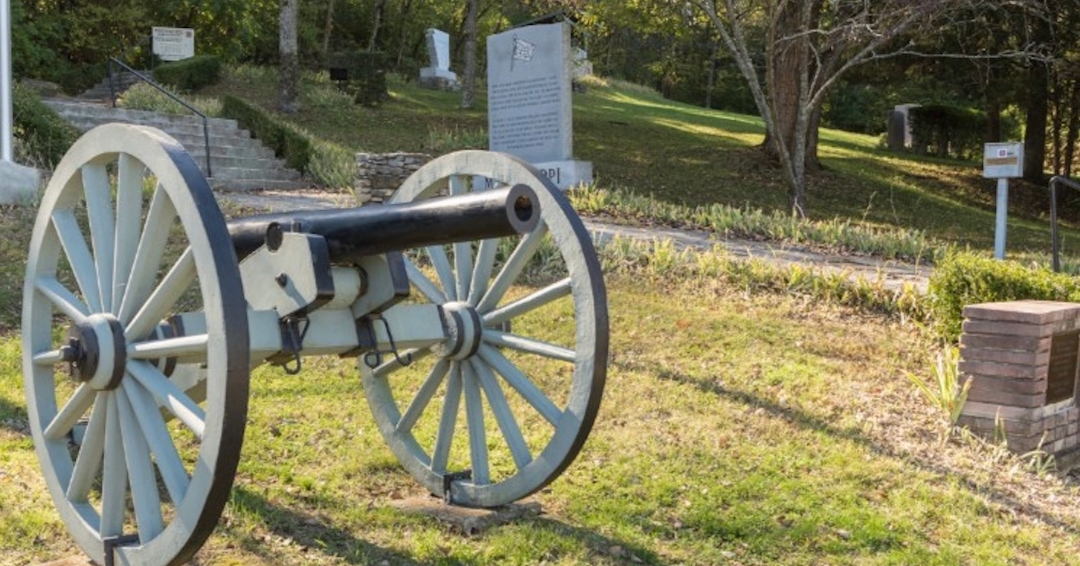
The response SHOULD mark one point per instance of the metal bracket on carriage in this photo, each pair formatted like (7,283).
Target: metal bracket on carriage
(292,342)
(448,480)
(369,341)
(290,274)
(111,543)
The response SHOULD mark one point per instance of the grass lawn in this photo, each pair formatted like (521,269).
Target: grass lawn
(693,156)
(759,430)
(737,428)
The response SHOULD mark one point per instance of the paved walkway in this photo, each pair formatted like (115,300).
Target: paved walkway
(893,274)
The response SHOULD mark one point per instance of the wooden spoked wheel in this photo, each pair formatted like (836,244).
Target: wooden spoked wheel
(138,427)
(503,406)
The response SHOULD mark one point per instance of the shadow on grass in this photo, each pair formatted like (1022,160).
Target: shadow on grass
(315,533)
(13,417)
(802,419)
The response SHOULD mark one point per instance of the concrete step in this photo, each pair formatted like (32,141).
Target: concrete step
(248,185)
(239,162)
(248,173)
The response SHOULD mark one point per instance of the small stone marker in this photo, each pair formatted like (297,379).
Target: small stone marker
(529,101)
(438,75)
(468,520)
(899,127)
(1022,359)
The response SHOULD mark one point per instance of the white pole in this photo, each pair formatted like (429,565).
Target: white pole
(6,92)
(1002,213)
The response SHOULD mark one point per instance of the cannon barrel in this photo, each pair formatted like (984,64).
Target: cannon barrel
(353,233)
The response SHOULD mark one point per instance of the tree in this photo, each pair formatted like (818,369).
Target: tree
(806,46)
(468,79)
(289,79)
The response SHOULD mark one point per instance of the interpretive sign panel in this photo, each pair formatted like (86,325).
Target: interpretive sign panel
(529,105)
(1003,160)
(173,44)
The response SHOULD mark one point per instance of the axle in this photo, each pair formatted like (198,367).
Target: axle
(354,233)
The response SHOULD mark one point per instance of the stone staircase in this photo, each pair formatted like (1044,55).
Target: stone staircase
(103,90)
(238,161)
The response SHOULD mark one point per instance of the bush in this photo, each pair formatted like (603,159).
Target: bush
(288,143)
(948,131)
(189,74)
(365,75)
(962,279)
(42,135)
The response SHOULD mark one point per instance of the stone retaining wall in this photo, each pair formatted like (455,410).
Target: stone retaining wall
(380,174)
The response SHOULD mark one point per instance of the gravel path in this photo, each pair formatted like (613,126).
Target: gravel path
(893,274)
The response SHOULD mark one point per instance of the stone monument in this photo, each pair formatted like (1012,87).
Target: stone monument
(438,75)
(899,127)
(529,101)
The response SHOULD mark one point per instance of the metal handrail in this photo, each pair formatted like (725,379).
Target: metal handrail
(1054,182)
(149,81)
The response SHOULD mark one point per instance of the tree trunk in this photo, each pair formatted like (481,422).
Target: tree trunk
(993,119)
(329,28)
(1073,111)
(468,80)
(1035,128)
(379,6)
(289,80)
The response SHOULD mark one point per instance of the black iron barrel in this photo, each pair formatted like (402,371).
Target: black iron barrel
(353,233)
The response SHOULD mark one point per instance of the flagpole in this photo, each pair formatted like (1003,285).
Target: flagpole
(6,92)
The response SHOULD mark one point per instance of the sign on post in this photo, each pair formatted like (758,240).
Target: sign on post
(173,44)
(1002,161)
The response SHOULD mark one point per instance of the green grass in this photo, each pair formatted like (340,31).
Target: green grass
(762,429)
(693,157)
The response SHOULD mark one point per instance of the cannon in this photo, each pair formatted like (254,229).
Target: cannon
(473,303)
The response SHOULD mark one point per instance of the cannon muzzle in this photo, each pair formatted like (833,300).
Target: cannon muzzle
(353,233)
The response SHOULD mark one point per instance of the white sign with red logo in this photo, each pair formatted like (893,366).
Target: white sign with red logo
(174,44)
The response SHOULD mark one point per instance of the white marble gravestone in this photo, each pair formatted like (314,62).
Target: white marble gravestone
(529,101)
(438,75)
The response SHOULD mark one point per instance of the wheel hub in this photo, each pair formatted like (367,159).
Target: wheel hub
(464,331)
(97,351)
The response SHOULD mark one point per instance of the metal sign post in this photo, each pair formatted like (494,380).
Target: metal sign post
(1002,161)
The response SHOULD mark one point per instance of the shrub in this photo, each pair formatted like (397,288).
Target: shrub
(365,73)
(42,134)
(189,74)
(962,278)
(948,131)
(287,143)
(142,96)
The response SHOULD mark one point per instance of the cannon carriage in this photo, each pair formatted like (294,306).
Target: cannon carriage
(144,312)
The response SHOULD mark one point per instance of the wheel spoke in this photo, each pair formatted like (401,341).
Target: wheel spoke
(424,395)
(168,347)
(159,221)
(423,284)
(443,270)
(129,185)
(517,261)
(88,462)
(144,489)
(521,383)
(164,297)
(481,273)
(114,475)
(157,437)
(69,416)
(552,292)
(507,423)
(447,421)
(474,416)
(99,211)
(529,345)
(168,395)
(62,298)
(78,255)
(459,185)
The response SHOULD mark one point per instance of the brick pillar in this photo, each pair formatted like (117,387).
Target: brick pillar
(1021,358)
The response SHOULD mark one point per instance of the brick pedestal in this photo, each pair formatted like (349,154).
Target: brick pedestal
(1021,358)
